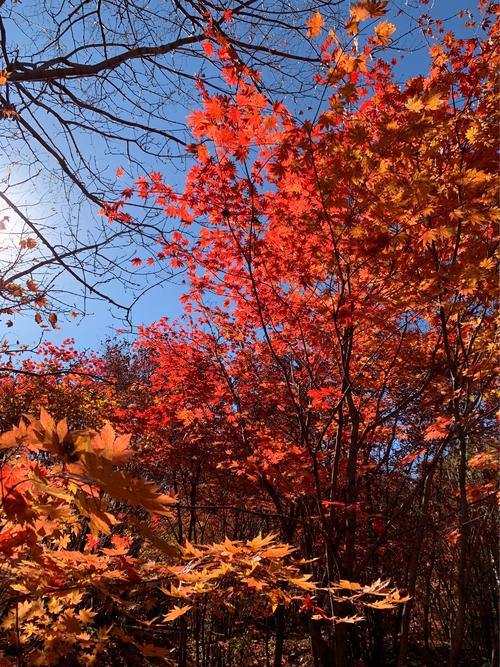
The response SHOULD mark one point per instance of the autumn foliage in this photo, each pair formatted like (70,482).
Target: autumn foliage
(312,450)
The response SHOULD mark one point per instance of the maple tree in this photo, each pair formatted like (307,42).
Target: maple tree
(341,305)
(84,84)
(321,415)
(61,491)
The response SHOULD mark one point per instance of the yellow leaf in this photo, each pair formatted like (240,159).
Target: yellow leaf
(86,616)
(46,421)
(315,23)
(303,583)
(368,9)
(488,263)
(124,487)
(258,584)
(428,236)
(350,585)
(73,598)
(54,605)
(414,104)
(380,604)
(260,541)
(20,588)
(62,429)
(349,619)
(472,134)
(100,522)
(359,13)
(384,31)
(352,27)
(231,547)
(333,35)
(190,551)
(277,552)
(8,439)
(176,612)
(433,101)
(112,447)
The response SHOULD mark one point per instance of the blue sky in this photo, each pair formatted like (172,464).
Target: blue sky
(101,320)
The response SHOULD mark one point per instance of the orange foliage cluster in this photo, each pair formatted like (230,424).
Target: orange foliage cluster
(330,385)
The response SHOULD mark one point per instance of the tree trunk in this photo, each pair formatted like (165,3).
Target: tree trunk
(321,650)
(413,570)
(280,636)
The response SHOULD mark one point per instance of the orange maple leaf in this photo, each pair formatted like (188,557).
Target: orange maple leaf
(315,23)
(384,30)
(208,48)
(176,612)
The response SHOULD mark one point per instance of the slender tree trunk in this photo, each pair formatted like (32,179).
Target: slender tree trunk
(427,601)
(413,570)
(182,661)
(342,634)
(321,650)
(280,636)
(463,560)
